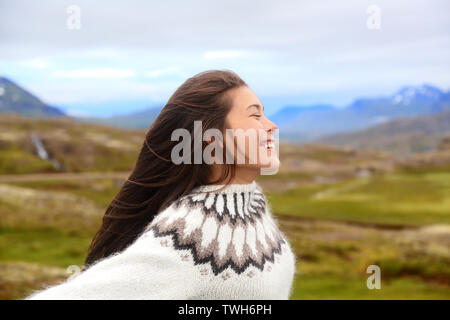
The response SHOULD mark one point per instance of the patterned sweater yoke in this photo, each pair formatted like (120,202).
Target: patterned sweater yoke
(217,242)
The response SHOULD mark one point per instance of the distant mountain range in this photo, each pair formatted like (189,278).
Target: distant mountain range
(403,136)
(14,99)
(136,120)
(297,124)
(302,124)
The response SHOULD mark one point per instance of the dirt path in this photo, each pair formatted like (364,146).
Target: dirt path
(329,230)
(336,190)
(63,176)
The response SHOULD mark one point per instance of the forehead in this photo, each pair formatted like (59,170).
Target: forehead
(243,97)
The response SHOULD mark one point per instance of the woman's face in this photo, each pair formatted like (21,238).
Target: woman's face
(255,141)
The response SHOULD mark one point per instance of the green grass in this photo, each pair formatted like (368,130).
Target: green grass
(43,246)
(325,287)
(14,161)
(76,146)
(393,199)
(332,265)
(288,175)
(101,192)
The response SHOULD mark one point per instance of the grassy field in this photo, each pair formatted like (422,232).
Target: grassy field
(332,259)
(399,221)
(403,199)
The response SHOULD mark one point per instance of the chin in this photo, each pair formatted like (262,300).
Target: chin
(271,167)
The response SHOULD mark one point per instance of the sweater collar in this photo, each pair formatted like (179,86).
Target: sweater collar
(233,202)
(227,189)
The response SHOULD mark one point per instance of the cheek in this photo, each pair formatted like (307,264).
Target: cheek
(242,121)
(237,121)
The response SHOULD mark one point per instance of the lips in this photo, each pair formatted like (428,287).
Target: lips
(269,144)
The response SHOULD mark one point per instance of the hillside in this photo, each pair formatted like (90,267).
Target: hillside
(29,145)
(403,136)
(68,145)
(136,120)
(83,147)
(15,99)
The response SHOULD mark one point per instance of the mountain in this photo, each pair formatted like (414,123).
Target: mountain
(298,124)
(402,136)
(14,99)
(287,113)
(137,120)
(302,124)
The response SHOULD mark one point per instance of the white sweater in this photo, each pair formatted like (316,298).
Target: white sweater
(209,244)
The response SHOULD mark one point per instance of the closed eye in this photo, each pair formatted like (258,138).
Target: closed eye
(256,115)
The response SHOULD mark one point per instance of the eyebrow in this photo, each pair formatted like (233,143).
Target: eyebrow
(256,106)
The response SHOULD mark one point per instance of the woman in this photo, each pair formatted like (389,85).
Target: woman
(192,230)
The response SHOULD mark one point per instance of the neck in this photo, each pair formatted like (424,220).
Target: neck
(229,188)
(244,175)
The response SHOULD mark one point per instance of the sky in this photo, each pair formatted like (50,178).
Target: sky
(129,55)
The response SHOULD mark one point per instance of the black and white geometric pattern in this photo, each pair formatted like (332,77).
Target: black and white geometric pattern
(229,228)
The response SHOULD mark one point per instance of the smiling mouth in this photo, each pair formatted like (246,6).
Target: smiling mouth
(269,144)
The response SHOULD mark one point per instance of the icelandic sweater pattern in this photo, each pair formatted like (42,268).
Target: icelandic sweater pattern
(214,243)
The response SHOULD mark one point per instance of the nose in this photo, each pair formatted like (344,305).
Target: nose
(271,126)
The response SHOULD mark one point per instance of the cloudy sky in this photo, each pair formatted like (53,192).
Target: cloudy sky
(128,55)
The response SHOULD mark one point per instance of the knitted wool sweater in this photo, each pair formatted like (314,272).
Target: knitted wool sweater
(210,244)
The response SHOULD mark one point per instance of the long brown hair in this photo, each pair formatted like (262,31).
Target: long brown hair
(156,181)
